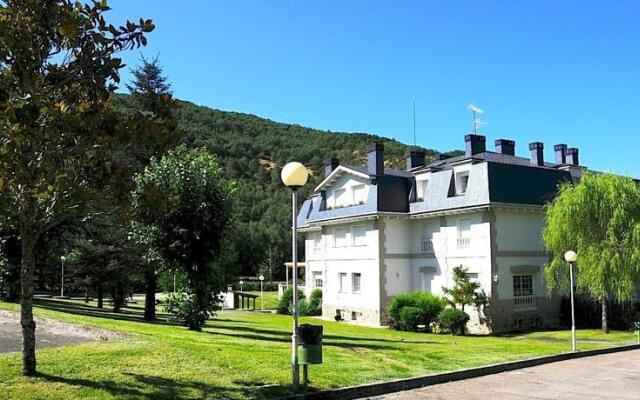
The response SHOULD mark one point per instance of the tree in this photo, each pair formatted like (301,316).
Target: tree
(186,206)
(154,117)
(58,69)
(464,291)
(599,218)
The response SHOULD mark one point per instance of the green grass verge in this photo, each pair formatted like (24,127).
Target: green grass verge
(247,355)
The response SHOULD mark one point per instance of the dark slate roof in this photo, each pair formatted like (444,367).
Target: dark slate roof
(486,156)
(519,184)
(387,171)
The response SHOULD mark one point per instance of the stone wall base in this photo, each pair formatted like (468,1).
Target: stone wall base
(360,315)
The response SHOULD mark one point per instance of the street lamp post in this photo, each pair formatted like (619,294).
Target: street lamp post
(241,283)
(294,175)
(62,259)
(571,256)
(261,293)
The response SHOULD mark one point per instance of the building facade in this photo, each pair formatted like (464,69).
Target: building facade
(372,233)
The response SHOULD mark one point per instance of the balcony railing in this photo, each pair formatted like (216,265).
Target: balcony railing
(463,242)
(524,303)
(426,246)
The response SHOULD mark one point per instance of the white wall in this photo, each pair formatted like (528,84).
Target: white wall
(350,259)
(346,182)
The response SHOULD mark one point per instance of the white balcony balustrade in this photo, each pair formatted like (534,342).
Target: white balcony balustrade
(463,242)
(426,246)
(524,303)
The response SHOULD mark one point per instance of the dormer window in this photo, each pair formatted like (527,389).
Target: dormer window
(461,181)
(421,189)
(359,193)
(339,197)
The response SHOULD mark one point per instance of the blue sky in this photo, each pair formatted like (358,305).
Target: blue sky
(550,71)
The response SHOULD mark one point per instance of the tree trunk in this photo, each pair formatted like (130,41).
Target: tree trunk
(26,302)
(150,296)
(100,295)
(605,321)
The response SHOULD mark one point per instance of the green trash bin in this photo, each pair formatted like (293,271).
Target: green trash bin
(310,345)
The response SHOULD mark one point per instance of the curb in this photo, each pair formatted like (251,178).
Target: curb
(398,385)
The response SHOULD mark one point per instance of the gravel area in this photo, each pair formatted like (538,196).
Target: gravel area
(49,333)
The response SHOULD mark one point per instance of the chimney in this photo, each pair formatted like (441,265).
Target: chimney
(375,159)
(572,156)
(475,144)
(414,159)
(560,150)
(537,153)
(504,146)
(330,165)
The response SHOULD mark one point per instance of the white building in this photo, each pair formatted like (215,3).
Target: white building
(372,232)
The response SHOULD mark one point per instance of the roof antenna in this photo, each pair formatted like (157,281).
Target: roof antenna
(414,121)
(477,111)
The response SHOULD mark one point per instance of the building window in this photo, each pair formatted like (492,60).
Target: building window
(317,241)
(421,190)
(342,282)
(318,282)
(360,235)
(522,285)
(359,193)
(464,234)
(340,237)
(425,281)
(524,300)
(462,179)
(356,282)
(339,197)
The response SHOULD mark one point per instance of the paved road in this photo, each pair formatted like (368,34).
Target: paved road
(47,335)
(609,376)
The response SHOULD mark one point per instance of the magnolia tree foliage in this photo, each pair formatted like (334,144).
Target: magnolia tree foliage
(599,218)
(185,204)
(57,71)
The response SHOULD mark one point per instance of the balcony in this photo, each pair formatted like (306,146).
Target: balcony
(426,246)
(524,303)
(463,242)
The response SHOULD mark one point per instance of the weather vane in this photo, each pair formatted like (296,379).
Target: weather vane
(477,111)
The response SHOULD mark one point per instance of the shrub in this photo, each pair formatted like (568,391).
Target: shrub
(187,312)
(453,320)
(428,304)
(285,302)
(254,286)
(315,302)
(410,318)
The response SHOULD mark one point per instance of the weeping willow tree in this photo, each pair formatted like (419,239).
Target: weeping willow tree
(599,218)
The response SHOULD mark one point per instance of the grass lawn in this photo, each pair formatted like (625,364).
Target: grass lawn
(247,355)
(270,300)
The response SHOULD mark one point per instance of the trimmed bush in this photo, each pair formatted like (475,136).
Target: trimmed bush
(428,304)
(254,286)
(453,320)
(187,312)
(410,318)
(285,303)
(315,302)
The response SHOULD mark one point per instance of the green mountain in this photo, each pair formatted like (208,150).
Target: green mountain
(251,151)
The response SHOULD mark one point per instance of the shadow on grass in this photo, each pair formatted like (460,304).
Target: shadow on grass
(285,337)
(328,339)
(91,311)
(156,387)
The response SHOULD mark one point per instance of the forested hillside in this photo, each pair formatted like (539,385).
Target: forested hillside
(251,151)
